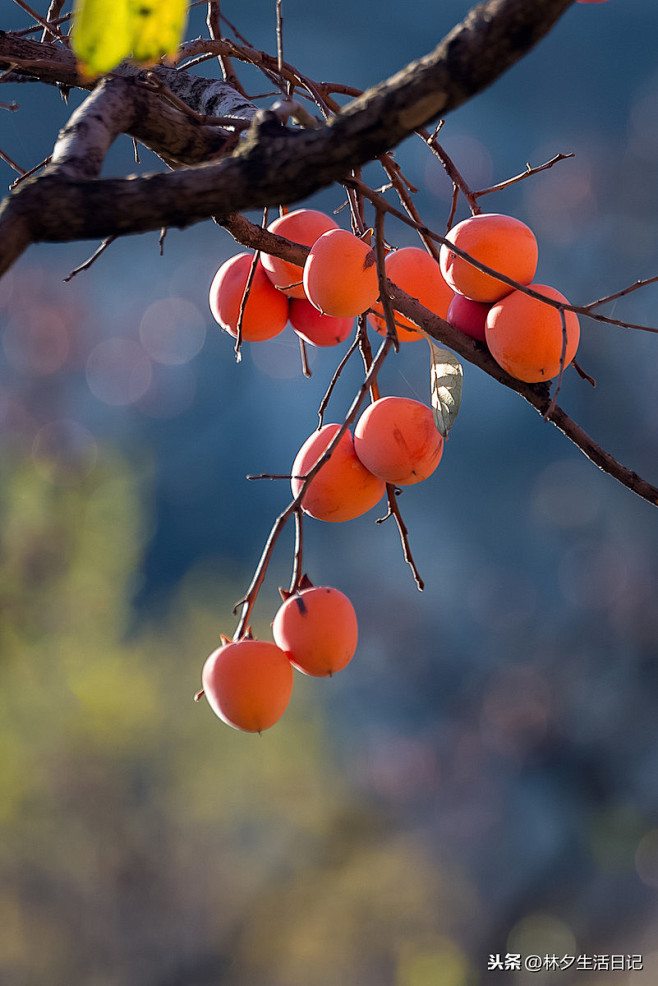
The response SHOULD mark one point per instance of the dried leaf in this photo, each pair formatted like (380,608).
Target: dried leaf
(107,31)
(446,379)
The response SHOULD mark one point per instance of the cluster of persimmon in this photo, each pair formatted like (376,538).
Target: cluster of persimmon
(338,474)
(248,682)
(529,338)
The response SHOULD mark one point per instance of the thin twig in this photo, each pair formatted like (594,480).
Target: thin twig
(54,10)
(27,174)
(24,31)
(45,24)
(451,170)
(523,175)
(384,297)
(581,373)
(563,355)
(12,164)
(334,380)
(249,598)
(394,511)
(298,557)
(622,293)
(243,304)
(306,369)
(279,36)
(398,182)
(213,22)
(87,264)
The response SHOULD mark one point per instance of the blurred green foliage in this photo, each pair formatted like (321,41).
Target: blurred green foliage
(142,840)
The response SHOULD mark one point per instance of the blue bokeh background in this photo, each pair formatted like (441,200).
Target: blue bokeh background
(503,722)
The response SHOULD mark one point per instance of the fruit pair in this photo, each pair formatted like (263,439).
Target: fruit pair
(248,682)
(525,336)
(395,441)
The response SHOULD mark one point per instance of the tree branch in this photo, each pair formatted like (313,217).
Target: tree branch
(275,165)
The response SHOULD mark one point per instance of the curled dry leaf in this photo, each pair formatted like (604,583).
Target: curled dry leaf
(446,380)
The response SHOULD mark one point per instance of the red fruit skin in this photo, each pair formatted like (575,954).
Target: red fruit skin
(314,327)
(317,628)
(468,316)
(248,684)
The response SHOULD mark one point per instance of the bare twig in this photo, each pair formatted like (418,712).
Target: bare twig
(456,177)
(45,23)
(563,355)
(27,174)
(306,369)
(213,21)
(394,511)
(52,18)
(619,294)
(247,602)
(12,164)
(94,257)
(523,175)
(334,380)
(298,556)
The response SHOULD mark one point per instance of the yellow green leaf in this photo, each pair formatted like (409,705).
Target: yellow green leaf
(157,27)
(107,31)
(101,34)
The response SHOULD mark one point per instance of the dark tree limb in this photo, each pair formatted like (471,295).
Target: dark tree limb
(275,165)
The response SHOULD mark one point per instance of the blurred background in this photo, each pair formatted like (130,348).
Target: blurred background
(482,780)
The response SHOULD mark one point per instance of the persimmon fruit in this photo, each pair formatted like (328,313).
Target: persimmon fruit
(340,274)
(343,488)
(525,336)
(314,327)
(301,226)
(417,273)
(501,242)
(317,629)
(468,316)
(266,310)
(396,439)
(248,683)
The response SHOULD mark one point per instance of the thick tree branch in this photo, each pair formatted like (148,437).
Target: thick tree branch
(275,165)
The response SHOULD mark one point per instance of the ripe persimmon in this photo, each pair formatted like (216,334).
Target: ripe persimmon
(317,628)
(340,275)
(525,336)
(342,488)
(396,439)
(417,273)
(248,683)
(266,310)
(468,316)
(501,242)
(314,327)
(301,226)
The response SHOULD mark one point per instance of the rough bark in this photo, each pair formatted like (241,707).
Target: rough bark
(273,165)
